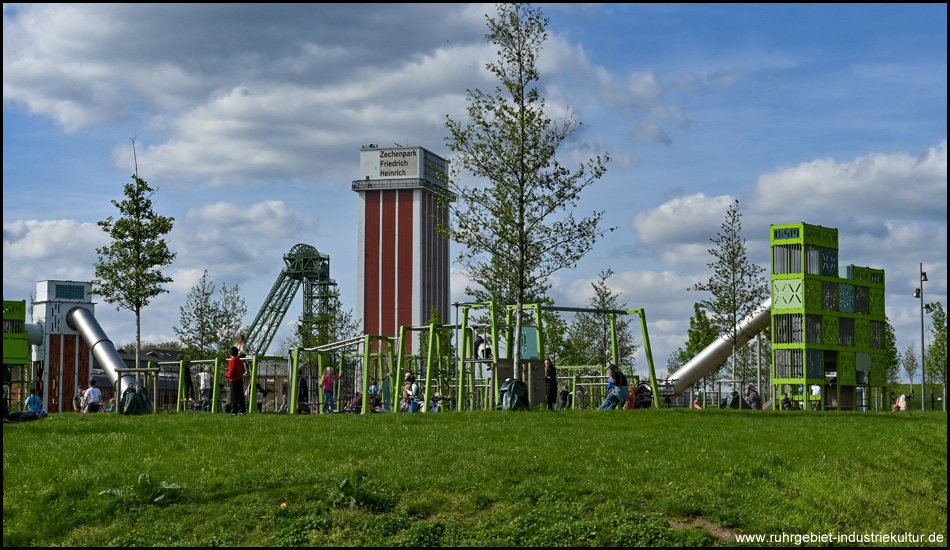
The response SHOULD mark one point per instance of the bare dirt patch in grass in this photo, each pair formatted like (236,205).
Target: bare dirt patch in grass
(722,533)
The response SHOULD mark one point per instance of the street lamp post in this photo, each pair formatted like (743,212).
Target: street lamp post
(919,293)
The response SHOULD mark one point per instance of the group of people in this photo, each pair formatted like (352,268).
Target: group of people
(88,400)
(618,390)
(412,399)
(239,395)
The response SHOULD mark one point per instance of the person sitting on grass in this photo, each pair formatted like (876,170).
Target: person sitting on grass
(619,389)
(33,402)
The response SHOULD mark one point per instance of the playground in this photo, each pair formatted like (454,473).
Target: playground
(827,346)
(838,464)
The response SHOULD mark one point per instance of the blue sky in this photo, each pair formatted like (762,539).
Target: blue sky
(248,119)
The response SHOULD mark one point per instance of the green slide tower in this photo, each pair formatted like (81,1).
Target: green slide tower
(828,322)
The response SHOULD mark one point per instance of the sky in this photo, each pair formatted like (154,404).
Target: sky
(247,119)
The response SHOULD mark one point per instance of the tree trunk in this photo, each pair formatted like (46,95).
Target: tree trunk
(516,344)
(138,343)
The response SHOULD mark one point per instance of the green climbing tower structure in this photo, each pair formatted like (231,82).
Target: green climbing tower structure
(828,322)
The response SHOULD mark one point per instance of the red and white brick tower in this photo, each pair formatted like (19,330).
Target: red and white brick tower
(403,261)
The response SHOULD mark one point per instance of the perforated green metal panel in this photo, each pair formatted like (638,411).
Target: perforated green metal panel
(813,295)
(846,369)
(862,333)
(878,375)
(876,302)
(829,262)
(829,330)
(16,349)
(787,294)
(845,298)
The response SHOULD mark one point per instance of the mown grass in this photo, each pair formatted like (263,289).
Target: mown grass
(581,478)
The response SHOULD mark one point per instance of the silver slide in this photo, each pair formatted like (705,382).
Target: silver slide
(82,321)
(717,352)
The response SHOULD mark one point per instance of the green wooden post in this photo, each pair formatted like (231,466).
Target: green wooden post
(537,316)
(494,343)
(463,353)
(320,399)
(292,383)
(574,391)
(400,363)
(432,342)
(367,344)
(336,384)
(649,354)
(252,402)
(614,353)
(215,389)
(181,387)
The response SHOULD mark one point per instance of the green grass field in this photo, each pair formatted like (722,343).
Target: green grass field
(579,478)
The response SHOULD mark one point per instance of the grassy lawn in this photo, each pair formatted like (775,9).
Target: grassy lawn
(580,478)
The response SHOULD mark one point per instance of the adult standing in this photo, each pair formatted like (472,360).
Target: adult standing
(235,376)
(326,382)
(93,398)
(303,395)
(550,383)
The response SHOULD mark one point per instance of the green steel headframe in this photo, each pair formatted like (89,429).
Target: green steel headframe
(304,266)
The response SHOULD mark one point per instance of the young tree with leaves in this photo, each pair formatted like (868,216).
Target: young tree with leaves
(737,285)
(520,227)
(208,327)
(910,363)
(198,320)
(936,366)
(128,271)
(892,358)
(589,335)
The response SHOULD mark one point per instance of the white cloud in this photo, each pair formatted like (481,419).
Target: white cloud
(682,220)
(51,240)
(878,185)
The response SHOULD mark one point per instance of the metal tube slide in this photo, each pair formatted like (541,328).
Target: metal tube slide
(82,321)
(717,352)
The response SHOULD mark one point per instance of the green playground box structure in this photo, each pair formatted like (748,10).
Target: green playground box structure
(828,323)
